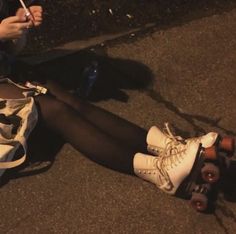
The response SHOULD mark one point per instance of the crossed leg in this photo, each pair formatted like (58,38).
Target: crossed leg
(75,123)
(113,125)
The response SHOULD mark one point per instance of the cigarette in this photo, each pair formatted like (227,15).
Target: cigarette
(27,13)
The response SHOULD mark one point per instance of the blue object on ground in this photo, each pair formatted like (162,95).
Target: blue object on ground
(88,80)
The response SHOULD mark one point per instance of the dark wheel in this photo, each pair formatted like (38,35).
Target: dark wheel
(210,173)
(210,153)
(227,144)
(199,201)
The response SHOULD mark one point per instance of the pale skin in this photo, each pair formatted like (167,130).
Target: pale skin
(14,28)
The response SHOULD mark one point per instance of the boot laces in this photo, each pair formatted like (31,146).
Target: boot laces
(170,135)
(172,154)
(170,157)
(175,141)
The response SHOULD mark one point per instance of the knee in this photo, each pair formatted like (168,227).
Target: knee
(50,108)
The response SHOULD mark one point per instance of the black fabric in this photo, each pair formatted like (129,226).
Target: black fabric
(4,119)
(98,134)
(6,62)
(4,9)
(101,136)
(117,127)
(5,59)
(13,120)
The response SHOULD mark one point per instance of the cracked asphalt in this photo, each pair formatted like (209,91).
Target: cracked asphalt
(191,65)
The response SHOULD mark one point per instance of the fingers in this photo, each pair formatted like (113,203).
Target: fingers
(20,12)
(14,27)
(36,9)
(36,15)
(18,22)
(25,25)
(15,19)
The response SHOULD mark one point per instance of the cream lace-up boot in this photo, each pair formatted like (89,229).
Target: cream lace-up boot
(157,140)
(168,170)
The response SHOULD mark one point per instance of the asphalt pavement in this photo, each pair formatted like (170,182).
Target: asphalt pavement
(192,67)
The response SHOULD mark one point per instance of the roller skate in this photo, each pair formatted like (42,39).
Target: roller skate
(177,173)
(213,156)
(212,141)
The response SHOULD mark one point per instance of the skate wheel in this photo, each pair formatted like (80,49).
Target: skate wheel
(199,201)
(210,153)
(227,144)
(210,173)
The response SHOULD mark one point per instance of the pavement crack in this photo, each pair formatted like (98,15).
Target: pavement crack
(191,119)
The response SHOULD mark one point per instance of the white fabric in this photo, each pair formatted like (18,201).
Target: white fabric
(25,111)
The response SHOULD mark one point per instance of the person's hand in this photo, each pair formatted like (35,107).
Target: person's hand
(13,27)
(36,16)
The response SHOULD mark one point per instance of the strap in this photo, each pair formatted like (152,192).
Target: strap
(33,90)
(15,163)
(7,80)
(11,164)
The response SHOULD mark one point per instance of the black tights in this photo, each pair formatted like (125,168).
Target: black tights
(100,135)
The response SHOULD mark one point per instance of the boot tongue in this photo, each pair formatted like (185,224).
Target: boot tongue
(209,139)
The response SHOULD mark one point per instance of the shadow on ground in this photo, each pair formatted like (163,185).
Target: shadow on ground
(114,75)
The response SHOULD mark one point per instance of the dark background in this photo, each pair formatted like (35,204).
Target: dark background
(68,20)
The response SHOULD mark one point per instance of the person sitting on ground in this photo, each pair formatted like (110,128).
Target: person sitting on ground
(100,135)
